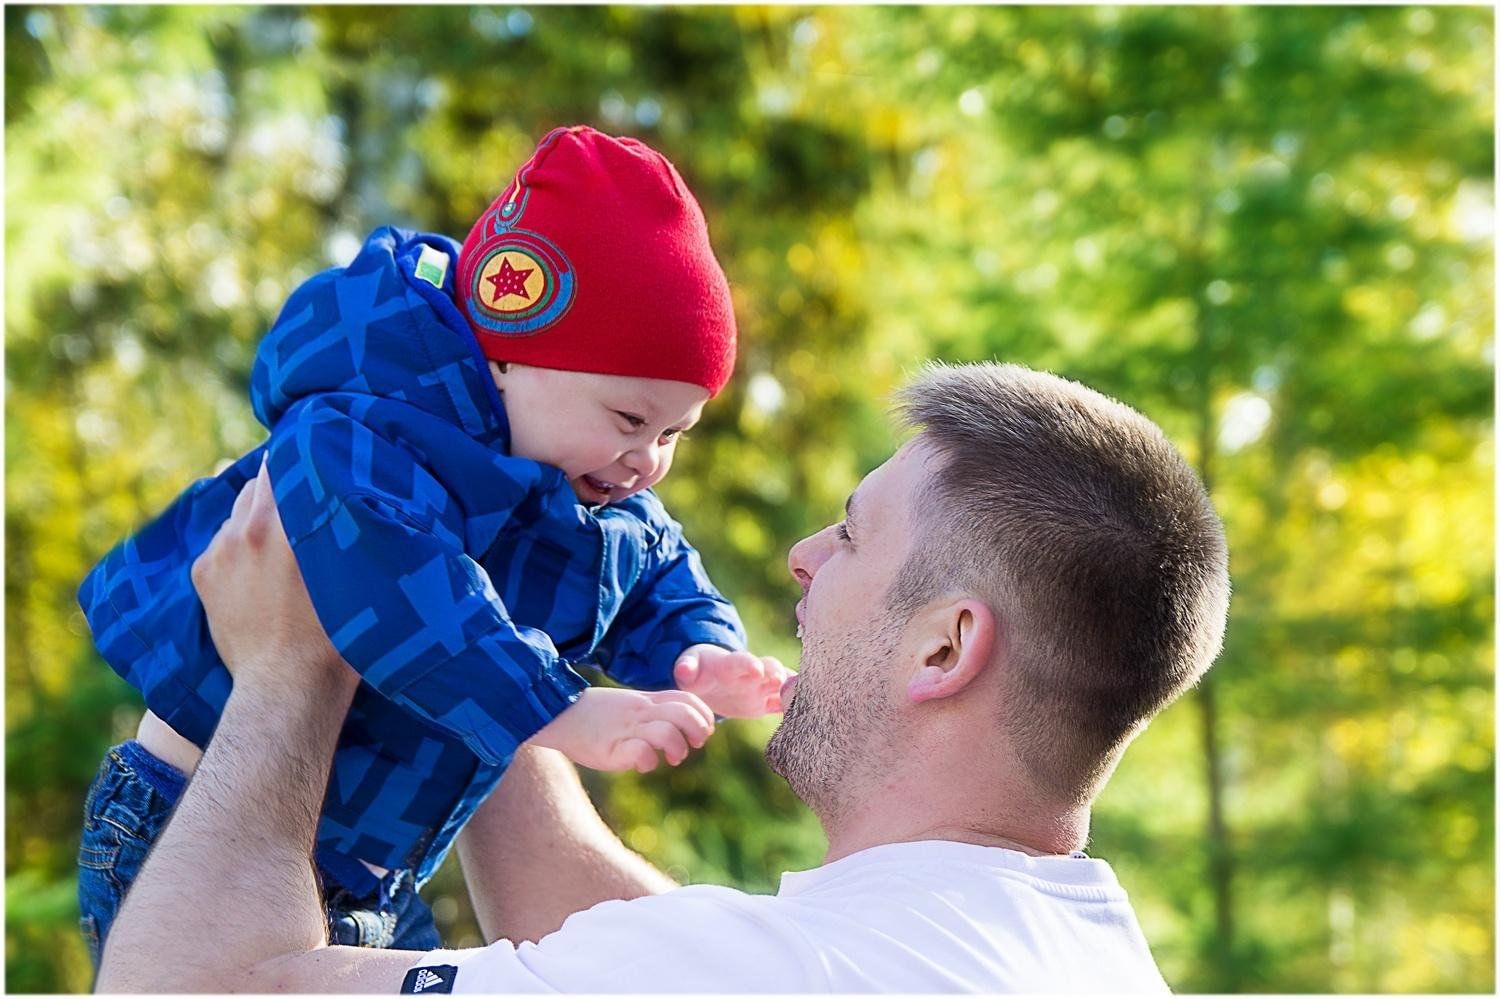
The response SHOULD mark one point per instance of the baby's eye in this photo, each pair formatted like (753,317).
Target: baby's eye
(635,422)
(668,436)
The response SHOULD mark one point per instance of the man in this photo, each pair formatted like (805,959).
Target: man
(1008,601)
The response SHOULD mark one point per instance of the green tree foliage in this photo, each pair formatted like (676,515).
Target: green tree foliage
(1268,228)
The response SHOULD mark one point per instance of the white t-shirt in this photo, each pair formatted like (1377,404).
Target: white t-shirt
(905,917)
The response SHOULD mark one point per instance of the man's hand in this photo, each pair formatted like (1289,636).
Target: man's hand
(611,729)
(240,840)
(259,614)
(733,684)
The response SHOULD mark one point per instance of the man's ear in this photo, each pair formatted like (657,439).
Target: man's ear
(957,652)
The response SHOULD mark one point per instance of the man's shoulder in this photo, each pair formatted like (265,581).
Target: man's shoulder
(703,899)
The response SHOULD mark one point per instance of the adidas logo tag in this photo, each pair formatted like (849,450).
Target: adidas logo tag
(438,978)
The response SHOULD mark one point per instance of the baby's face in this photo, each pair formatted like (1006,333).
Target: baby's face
(612,435)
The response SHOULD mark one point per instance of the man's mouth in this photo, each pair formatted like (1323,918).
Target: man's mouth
(787,687)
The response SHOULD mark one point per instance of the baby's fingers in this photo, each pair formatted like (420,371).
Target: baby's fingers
(740,666)
(638,753)
(684,699)
(687,670)
(665,736)
(694,725)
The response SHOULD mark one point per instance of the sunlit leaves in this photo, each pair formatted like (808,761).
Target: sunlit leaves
(1268,228)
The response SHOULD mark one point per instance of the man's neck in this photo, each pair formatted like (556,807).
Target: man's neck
(842,844)
(909,811)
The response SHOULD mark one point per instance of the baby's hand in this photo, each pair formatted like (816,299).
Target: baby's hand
(734,684)
(611,729)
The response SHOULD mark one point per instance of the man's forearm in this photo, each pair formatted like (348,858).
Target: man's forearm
(537,851)
(230,883)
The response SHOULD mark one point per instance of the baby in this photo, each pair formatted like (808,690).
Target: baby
(462,442)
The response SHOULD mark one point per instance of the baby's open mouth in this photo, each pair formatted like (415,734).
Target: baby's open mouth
(602,489)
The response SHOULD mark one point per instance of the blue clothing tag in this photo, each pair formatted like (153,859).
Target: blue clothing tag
(430,978)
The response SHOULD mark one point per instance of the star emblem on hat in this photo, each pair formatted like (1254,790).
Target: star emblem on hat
(518,285)
(508,280)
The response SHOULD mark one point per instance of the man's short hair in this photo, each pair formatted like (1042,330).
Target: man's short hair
(1087,532)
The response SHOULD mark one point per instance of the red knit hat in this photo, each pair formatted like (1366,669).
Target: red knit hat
(596,258)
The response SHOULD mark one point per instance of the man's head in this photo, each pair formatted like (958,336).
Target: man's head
(1038,553)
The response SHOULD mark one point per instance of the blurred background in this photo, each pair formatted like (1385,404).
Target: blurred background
(1269,229)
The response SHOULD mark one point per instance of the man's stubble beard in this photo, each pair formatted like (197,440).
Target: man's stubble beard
(836,727)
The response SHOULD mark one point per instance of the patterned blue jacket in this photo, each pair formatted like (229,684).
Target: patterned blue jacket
(458,580)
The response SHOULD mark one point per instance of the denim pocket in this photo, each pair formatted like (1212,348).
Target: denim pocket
(99,887)
(127,811)
(129,859)
(99,850)
(122,814)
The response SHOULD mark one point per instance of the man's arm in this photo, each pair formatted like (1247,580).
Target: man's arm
(541,811)
(227,900)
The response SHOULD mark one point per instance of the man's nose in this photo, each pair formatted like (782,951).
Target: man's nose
(807,557)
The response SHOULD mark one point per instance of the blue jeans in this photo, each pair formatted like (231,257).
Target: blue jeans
(128,806)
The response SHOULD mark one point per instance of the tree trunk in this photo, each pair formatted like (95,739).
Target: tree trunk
(1220,854)
(1220,859)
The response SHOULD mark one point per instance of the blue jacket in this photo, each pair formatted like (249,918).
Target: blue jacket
(460,581)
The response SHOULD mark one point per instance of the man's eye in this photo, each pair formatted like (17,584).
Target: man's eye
(843,532)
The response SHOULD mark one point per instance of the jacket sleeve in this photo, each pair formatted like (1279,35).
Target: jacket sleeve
(144,613)
(381,547)
(672,606)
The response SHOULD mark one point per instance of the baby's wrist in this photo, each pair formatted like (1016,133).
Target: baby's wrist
(556,734)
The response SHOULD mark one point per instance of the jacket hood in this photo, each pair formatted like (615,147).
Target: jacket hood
(385,325)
